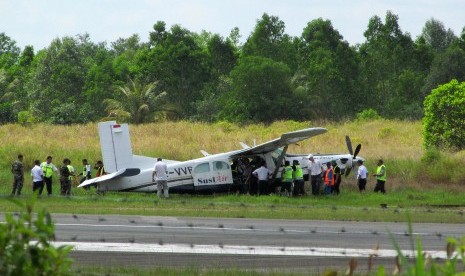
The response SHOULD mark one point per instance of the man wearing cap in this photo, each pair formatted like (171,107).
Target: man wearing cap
(316,171)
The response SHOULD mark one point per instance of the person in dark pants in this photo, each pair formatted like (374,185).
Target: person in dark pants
(286,179)
(65,181)
(316,171)
(337,178)
(17,169)
(298,177)
(262,174)
(380,177)
(361,176)
(48,168)
(37,178)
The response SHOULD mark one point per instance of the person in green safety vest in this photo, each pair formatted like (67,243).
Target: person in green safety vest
(380,177)
(286,178)
(298,176)
(48,168)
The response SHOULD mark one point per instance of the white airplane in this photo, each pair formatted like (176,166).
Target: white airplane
(212,173)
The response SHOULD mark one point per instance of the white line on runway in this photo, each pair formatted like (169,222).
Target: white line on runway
(311,229)
(240,250)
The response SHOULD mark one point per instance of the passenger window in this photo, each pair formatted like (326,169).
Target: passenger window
(202,168)
(220,165)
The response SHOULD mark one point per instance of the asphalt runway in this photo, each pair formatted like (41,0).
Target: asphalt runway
(292,245)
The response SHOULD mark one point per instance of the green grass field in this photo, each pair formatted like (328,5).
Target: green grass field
(429,185)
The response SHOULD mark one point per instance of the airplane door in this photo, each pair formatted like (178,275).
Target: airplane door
(211,174)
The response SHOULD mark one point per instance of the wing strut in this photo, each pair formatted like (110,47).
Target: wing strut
(279,162)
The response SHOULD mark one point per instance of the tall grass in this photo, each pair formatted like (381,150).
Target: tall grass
(399,143)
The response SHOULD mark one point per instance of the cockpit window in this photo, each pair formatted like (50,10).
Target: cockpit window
(202,168)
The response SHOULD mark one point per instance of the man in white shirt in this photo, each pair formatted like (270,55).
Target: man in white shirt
(262,174)
(37,178)
(361,176)
(315,169)
(160,171)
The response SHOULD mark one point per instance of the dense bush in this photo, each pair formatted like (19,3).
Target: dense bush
(25,247)
(444,125)
(367,115)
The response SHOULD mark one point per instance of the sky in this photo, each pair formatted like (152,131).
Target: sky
(38,22)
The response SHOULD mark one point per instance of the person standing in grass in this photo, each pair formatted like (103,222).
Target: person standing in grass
(380,177)
(37,178)
(160,171)
(48,168)
(65,175)
(298,176)
(262,174)
(286,178)
(337,178)
(316,170)
(361,176)
(329,179)
(86,171)
(17,169)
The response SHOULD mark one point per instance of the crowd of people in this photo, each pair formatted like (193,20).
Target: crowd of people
(43,172)
(324,178)
(253,175)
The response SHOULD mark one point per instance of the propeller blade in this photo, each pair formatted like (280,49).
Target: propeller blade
(349,145)
(347,171)
(357,150)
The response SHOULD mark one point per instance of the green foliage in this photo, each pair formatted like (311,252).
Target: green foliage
(67,82)
(444,117)
(269,40)
(26,118)
(328,68)
(261,92)
(368,115)
(25,247)
(138,104)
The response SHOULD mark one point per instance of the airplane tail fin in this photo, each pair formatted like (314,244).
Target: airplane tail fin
(115,144)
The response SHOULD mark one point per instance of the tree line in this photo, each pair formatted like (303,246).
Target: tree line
(180,74)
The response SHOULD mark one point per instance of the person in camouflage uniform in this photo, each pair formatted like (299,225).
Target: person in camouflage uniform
(65,178)
(17,169)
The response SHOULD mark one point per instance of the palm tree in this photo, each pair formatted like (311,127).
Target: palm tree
(139,101)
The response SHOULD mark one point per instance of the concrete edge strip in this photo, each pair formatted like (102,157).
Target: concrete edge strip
(242,250)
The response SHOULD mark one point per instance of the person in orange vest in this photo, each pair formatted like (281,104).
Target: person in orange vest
(329,179)
(100,169)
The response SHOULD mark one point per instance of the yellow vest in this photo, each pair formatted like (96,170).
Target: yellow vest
(378,171)
(47,169)
(287,174)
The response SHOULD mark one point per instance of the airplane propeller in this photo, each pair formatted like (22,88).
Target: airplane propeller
(354,154)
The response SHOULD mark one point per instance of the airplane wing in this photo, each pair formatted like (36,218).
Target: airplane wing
(286,139)
(120,173)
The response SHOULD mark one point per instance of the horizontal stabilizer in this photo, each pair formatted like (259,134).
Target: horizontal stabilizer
(120,173)
(204,153)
